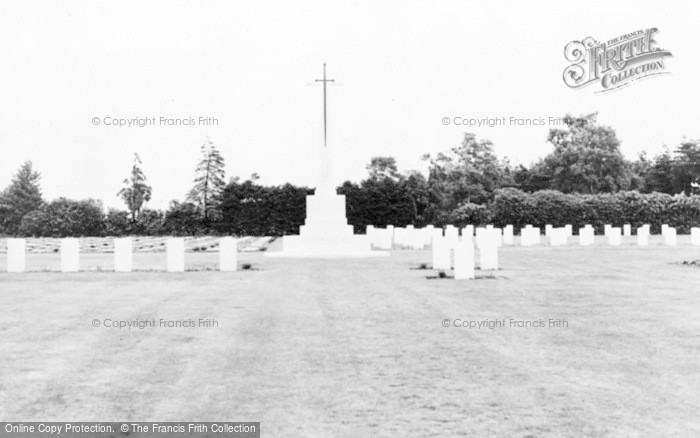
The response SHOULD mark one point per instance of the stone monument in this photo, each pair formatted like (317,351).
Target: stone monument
(326,232)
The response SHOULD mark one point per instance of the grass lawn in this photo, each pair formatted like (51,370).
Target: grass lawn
(358,348)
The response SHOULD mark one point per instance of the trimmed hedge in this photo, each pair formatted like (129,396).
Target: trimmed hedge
(512,206)
(249,209)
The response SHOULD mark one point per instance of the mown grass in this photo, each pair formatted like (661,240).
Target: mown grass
(358,347)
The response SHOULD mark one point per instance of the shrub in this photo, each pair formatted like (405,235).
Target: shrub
(117,223)
(469,213)
(64,217)
(512,206)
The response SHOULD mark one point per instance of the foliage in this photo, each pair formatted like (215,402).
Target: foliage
(135,191)
(382,168)
(468,173)
(468,213)
(209,183)
(183,218)
(252,209)
(586,157)
(117,223)
(512,206)
(63,218)
(22,196)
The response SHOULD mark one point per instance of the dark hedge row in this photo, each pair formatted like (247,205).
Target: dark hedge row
(251,209)
(511,206)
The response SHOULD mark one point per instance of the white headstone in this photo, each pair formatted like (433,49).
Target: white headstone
(627,230)
(399,236)
(452,235)
(670,236)
(437,235)
(664,228)
(176,254)
(569,230)
(464,260)
(615,236)
(123,255)
(386,239)
(16,255)
(695,236)
(606,229)
(557,236)
(508,235)
(527,236)
(586,236)
(418,238)
(468,230)
(497,234)
(228,254)
(488,253)
(642,236)
(372,235)
(548,230)
(441,254)
(70,254)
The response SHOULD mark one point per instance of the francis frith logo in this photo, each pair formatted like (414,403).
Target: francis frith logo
(615,63)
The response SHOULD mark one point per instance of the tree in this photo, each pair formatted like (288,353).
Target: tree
(686,172)
(383,167)
(22,196)
(183,219)
(639,169)
(135,191)
(209,183)
(586,157)
(63,218)
(531,179)
(659,176)
(468,173)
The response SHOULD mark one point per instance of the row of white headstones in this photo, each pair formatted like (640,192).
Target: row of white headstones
(488,239)
(123,254)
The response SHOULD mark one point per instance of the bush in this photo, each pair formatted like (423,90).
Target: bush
(150,223)
(512,206)
(469,213)
(117,223)
(63,218)
(183,219)
(254,210)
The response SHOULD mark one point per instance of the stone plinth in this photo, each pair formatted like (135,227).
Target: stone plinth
(326,232)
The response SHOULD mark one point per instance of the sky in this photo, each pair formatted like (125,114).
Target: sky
(399,67)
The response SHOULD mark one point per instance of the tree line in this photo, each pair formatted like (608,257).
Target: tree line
(585,172)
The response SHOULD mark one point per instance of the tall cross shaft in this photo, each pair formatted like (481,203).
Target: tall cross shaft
(325,117)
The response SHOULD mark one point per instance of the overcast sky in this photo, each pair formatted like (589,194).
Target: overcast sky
(400,66)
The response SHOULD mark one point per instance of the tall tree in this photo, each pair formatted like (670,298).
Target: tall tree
(383,167)
(22,196)
(135,191)
(468,173)
(209,182)
(586,157)
(686,173)
(659,176)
